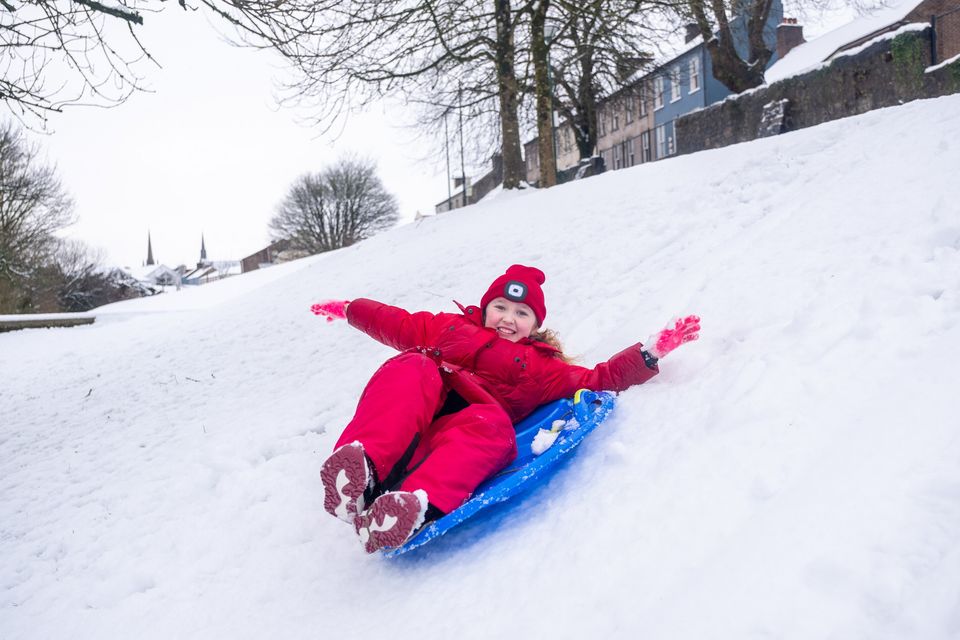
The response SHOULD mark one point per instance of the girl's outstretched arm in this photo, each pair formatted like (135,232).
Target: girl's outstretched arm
(632,366)
(393,326)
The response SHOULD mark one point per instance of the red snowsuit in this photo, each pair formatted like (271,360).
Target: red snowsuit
(501,381)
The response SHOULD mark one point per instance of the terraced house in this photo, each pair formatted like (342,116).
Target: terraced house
(636,124)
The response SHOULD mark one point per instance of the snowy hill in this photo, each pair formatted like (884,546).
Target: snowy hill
(792,475)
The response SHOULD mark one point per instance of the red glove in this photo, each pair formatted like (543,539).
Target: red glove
(331,309)
(686,330)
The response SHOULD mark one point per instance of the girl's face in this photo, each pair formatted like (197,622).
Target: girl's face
(512,320)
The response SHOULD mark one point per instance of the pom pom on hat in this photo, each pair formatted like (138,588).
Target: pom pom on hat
(519,284)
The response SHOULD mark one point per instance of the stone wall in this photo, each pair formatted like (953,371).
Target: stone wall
(886,73)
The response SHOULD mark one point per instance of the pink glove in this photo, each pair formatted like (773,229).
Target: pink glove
(686,330)
(331,309)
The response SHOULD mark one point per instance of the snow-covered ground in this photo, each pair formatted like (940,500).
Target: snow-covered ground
(794,474)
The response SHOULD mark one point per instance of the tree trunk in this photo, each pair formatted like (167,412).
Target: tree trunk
(587,140)
(729,68)
(508,89)
(544,95)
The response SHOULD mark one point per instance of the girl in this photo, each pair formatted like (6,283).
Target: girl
(437,420)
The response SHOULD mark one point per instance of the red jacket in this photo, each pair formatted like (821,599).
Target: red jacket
(483,367)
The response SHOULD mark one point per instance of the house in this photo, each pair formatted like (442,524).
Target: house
(467,192)
(154,275)
(269,255)
(943,15)
(210,270)
(636,124)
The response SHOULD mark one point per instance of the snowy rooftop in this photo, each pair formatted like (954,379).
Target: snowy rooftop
(817,50)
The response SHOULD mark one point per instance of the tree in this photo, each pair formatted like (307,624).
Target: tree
(33,207)
(449,56)
(600,44)
(334,208)
(543,93)
(737,73)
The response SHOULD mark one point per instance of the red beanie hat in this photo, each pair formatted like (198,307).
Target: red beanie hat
(519,284)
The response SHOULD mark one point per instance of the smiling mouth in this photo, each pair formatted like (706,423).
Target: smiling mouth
(506,331)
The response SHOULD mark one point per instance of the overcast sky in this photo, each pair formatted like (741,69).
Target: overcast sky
(208,152)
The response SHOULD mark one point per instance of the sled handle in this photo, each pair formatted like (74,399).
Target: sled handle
(584,403)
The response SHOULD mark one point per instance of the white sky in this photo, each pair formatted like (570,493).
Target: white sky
(209,152)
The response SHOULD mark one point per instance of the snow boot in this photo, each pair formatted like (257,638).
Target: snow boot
(348,482)
(391,519)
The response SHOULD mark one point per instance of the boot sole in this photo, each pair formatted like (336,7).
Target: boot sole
(345,477)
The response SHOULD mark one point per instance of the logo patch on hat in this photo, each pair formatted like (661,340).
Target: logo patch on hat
(516,291)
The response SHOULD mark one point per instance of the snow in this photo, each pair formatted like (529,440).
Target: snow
(945,63)
(791,475)
(810,55)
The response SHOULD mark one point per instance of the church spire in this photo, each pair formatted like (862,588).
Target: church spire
(203,249)
(150,261)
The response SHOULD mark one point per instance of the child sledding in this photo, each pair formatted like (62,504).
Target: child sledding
(438,419)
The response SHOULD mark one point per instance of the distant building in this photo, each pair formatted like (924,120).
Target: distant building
(153,275)
(467,192)
(210,270)
(942,15)
(269,255)
(156,275)
(635,124)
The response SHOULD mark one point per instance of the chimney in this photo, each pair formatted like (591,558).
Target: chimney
(789,35)
(693,30)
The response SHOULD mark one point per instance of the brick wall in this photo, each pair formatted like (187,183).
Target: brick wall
(884,74)
(948,36)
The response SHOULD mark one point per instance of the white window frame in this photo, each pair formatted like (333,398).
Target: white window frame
(601,119)
(645,151)
(643,99)
(614,119)
(661,135)
(617,159)
(631,103)
(694,74)
(675,84)
(631,158)
(658,93)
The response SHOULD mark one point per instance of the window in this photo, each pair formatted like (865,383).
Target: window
(602,123)
(661,141)
(617,157)
(630,102)
(645,147)
(643,99)
(675,84)
(628,159)
(694,74)
(615,116)
(658,93)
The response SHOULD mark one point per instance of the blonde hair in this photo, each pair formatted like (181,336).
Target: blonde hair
(550,337)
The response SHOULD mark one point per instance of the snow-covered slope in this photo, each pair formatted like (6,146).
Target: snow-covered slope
(794,474)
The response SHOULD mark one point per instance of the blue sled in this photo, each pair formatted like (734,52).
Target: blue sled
(581,415)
